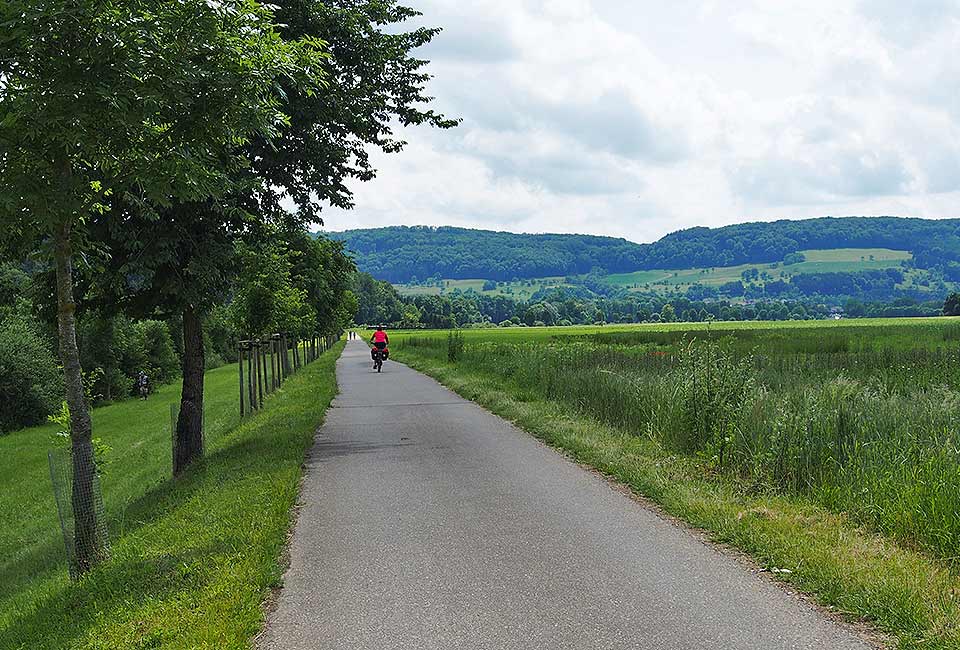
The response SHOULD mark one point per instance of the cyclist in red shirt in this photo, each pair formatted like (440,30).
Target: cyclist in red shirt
(380,339)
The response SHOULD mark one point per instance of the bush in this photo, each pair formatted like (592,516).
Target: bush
(153,350)
(711,385)
(28,371)
(13,285)
(455,345)
(114,349)
(220,338)
(100,344)
(951,306)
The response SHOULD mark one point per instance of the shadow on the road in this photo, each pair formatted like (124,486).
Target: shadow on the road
(368,366)
(324,451)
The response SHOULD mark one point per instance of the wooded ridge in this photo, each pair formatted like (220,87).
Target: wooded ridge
(405,254)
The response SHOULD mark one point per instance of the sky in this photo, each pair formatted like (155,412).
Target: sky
(637,118)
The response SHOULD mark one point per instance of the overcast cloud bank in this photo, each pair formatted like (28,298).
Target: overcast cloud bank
(637,118)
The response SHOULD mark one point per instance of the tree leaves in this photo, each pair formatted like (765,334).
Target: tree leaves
(149,97)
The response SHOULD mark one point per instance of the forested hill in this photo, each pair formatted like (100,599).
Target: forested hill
(400,254)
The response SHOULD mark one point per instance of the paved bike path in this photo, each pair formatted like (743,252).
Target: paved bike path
(427,522)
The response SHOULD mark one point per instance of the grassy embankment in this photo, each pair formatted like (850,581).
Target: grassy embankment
(192,559)
(827,450)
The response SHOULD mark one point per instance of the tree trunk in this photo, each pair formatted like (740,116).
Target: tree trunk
(189,434)
(88,547)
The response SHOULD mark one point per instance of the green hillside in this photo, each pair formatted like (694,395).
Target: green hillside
(816,264)
(840,260)
(422,256)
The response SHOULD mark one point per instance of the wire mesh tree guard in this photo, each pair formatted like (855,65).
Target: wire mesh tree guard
(74,497)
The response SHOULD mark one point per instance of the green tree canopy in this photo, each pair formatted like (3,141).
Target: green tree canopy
(147,101)
(374,82)
(951,306)
(267,301)
(371,82)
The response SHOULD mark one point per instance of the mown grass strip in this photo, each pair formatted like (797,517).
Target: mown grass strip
(194,558)
(908,595)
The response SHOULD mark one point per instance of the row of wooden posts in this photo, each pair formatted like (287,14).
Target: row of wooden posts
(270,360)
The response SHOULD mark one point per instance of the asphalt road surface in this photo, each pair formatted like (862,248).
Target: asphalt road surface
(427,522)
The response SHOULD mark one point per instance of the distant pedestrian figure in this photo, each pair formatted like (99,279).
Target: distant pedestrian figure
(143,385)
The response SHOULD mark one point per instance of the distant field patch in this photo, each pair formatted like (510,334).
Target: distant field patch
(639,277)
(519,289)
(857,255)
(840,260)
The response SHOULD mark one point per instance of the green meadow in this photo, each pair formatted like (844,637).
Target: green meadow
(192,559)
(518,290)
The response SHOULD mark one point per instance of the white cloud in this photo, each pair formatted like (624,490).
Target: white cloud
(638,118)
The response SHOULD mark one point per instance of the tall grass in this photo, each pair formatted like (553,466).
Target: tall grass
(865,422)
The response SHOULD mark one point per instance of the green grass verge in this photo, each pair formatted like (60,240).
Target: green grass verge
(906,594)
(192,559)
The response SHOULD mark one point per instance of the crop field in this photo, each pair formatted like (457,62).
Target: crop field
(841,260)
(865,328)
(519,290)
(862,417)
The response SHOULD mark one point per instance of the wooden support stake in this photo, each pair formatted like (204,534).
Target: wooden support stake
(240,366)
(254,382)
(264,375)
